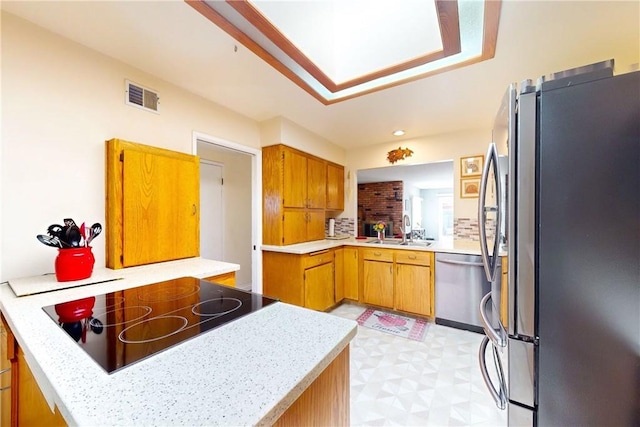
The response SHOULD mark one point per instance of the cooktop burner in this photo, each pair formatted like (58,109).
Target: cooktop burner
(123,327)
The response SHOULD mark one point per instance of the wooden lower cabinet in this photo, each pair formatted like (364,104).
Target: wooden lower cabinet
(304,280)
(5,376)
(412,291)
(326,401)
(402,280)
(378,283)
(377,277)
(338,262)
(227,279)
(350,273)
(23,404)
(346,273)
(504,293)
(33,409)
(319,287)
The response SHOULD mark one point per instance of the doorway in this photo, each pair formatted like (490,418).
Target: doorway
(211,202)
(231,212)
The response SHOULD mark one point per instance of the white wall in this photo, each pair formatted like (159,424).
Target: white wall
(425,150)
(236,212)
(60,102)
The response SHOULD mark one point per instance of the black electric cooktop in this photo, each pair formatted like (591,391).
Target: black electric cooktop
(123,327)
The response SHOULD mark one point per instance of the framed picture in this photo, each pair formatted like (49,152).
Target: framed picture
(469,188)
(471,166)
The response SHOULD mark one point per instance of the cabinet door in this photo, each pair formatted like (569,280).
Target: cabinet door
(6,340)
(160,208)
(294,193)
(316,184)
(227,279)
(294,226)
(378,283)
(319,287)
(350,276)
(338,276)
(33,409)
(335,187)
(315,225)
(413,291)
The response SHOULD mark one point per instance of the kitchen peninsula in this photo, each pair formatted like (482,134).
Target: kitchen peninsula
(254,370)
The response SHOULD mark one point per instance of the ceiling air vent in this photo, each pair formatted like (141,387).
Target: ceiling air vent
(141,97)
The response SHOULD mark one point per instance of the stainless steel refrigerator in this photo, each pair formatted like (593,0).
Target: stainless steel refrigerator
(566,349)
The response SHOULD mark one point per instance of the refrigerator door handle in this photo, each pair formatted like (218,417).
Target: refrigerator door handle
(497,337)
(498,395)
(490,261)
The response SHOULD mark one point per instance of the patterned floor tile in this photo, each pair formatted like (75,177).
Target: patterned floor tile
(401,382)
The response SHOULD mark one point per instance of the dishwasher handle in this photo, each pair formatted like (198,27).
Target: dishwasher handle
(467,263)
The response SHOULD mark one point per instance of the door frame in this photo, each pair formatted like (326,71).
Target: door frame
(256,199)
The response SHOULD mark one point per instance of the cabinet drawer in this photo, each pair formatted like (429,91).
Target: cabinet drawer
(415,258)
(317,258)
(377,255)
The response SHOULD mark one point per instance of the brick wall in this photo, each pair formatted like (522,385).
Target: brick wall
(380,201)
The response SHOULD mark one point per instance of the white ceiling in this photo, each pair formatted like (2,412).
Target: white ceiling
(174,42)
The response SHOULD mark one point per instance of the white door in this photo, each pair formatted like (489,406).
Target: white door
(211,226)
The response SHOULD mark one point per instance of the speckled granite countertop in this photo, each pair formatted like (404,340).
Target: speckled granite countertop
(456,246)
(246,372)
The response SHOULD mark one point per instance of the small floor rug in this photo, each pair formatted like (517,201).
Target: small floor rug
(406,327)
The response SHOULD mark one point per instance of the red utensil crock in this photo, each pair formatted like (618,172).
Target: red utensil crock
(74,264)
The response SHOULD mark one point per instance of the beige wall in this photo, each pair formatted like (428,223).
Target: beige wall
(279,130)
(60,102)
(425,150)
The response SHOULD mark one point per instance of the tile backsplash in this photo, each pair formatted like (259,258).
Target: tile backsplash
(463,228)
(343,226)
(467,229)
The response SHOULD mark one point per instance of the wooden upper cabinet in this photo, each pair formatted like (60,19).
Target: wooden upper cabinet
(316,184)
(295,188)
(305,181)
(335,187)
(294,193)
(153,199)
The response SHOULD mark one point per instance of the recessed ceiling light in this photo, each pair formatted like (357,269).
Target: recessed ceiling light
(398,132)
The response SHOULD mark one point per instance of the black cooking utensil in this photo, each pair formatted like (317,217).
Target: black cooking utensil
(96,325)
(74,329)
(69,222)
(55,230)
(73,236)
(54,242)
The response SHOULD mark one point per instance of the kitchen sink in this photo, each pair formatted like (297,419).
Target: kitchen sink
(398,242)
(385,242)
(422,243)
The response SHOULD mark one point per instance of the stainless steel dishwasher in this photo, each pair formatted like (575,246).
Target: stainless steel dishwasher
(460,285)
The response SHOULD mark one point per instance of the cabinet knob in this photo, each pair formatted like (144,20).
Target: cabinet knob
(194,209)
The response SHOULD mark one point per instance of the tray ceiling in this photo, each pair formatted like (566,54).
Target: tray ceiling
(338,50)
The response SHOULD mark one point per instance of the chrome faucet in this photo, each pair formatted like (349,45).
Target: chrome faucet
(406,222)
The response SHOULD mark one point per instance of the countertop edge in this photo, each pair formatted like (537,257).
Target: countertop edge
(467,247)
